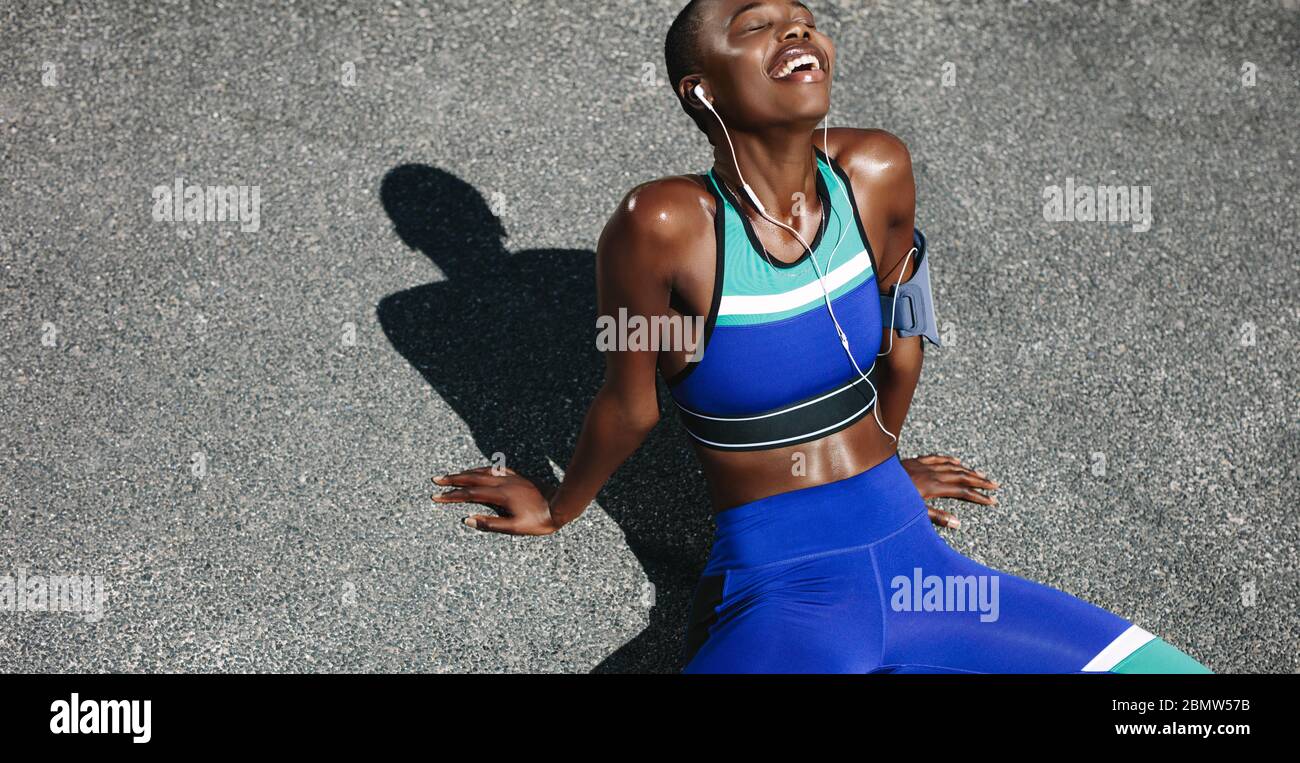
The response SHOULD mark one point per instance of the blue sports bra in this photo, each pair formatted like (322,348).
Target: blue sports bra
(771,371)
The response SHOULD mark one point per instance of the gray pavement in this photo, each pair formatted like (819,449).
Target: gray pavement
(236,429)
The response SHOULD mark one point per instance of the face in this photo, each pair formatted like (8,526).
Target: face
(765,63)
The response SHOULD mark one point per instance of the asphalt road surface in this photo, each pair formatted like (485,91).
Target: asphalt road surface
(232,425)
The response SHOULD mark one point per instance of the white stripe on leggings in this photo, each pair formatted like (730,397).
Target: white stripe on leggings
(1125,644)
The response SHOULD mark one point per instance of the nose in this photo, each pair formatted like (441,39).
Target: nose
(796,30)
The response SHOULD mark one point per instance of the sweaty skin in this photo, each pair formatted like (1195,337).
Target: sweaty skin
(657,257)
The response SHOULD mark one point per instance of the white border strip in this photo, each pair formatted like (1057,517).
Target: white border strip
(759,304)
(1125,644)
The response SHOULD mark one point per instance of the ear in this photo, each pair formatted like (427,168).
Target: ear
(686,89)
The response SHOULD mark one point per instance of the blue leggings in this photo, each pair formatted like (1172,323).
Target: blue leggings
(850,577)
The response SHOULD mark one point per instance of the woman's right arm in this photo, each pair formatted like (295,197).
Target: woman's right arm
(655,225)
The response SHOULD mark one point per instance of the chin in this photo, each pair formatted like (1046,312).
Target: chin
(811,109)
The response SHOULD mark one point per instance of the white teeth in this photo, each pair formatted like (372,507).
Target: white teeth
(795,63)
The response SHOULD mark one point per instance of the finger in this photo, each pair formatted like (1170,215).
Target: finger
(935,458)
(979,475)
(983,476)
(963,475)
(942,518)
(952,464)
(491,524)
(448,477)
(974,496)
(469,480)
(487,495)
(961,493)
(498,471)
(980,480)
(967,477)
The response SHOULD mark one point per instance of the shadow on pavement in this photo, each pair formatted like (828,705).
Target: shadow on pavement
(508,340)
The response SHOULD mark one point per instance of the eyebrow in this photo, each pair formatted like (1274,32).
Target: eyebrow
(752,6)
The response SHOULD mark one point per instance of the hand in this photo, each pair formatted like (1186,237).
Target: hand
(523,507)
(938,476)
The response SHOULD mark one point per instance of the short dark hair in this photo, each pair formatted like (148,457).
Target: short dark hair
(682,51)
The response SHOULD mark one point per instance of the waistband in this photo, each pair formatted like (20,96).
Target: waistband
(854,511)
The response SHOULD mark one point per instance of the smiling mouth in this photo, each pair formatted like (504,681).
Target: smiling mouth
(799,63)
(805,63)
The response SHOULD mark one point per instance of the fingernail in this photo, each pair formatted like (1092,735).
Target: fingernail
(443,478)
(980,473)
(471,521)
(995,502)
(954,523)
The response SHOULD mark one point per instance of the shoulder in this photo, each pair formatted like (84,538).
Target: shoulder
(879,167)
(870,155)
(666,209)
(660,219)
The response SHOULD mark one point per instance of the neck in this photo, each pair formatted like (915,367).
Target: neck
(777,164)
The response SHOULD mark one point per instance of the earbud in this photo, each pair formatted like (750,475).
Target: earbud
(699,93)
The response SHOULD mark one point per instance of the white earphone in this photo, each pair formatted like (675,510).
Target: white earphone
(698,90)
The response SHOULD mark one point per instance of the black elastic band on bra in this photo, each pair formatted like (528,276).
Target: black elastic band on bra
(800,422)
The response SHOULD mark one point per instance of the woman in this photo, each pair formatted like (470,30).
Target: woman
(824,560)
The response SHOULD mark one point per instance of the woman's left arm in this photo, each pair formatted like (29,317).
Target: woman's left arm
(880,169)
